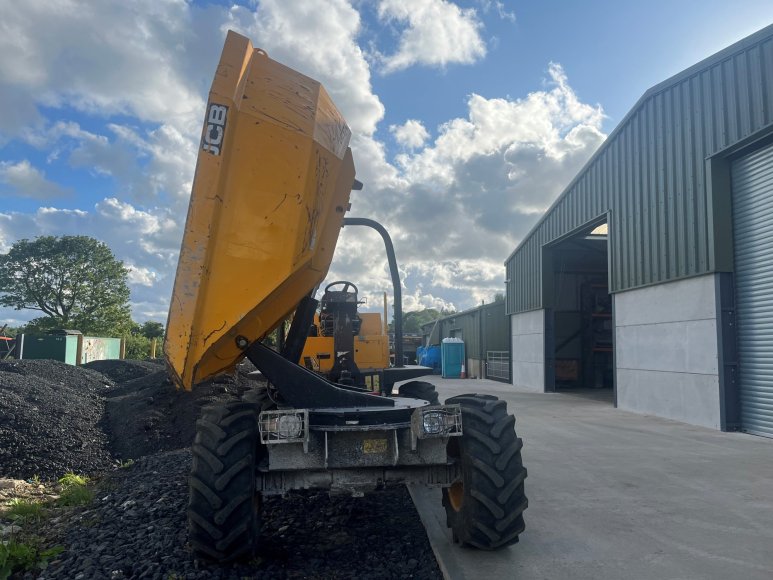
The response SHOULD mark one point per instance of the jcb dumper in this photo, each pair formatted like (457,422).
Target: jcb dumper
(269,198)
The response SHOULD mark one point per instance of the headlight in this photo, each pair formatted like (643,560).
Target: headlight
(284,426)
(437,421)
(289,426)
(433,422)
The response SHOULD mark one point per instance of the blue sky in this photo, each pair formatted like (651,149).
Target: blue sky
(468,118)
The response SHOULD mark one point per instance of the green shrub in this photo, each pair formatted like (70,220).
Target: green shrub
(74,490)
(20,556)
(137,346)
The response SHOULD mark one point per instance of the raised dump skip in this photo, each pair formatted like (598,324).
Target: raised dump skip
(271,188)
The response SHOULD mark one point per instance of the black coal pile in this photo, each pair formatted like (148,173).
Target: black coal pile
(124,370)
(56,418)
(136,528)
(149,415)
(49,420)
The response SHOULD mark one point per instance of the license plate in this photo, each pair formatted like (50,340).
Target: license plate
(374,446)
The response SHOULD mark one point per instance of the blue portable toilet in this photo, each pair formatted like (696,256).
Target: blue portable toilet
(452,357)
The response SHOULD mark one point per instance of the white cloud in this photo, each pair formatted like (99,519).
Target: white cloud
(372,165)
(411,134)
(553,122)
(119,212)
(473,280)
(151,236)
(435,33)
(112,57)
(23,180)
(141,276)
(146,164)
(318,38)
(150,61)
(499,8)
(457,207)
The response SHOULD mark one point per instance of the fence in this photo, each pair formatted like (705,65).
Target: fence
(498,365)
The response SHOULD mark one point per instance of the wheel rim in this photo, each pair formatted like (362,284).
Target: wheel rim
(456,495)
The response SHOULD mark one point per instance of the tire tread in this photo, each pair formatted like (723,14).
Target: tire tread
(491,515)
(223,522)
(419,390)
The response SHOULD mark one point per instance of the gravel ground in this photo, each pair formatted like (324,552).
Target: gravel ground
(56,418)
(149,415)
(120,371)
(50,417)
(136,528)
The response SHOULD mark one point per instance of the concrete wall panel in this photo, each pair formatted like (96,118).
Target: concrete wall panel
(532,322)
(528,350)
(529,375)
(682,347)
(691,398)
(689,299)
(667,352)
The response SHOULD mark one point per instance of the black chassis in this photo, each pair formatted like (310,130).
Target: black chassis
(356,441)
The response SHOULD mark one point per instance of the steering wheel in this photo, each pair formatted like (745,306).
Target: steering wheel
(346,285)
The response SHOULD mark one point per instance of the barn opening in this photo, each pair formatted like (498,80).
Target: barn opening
(580,349)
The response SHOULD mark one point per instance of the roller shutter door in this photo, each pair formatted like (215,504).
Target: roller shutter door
(752,182)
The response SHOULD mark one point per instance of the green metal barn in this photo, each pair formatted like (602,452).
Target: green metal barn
(651,276)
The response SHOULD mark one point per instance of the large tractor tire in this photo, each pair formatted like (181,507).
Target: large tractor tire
(224,508)
(419,390)
(485,507)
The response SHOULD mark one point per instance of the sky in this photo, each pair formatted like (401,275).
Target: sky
(468,119)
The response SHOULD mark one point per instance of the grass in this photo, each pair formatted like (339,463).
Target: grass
(23,551)
(74,490)
(73,479)
(24,510)
(14,557)
(19,556)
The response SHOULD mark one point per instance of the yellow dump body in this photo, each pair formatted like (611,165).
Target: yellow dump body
(272,184)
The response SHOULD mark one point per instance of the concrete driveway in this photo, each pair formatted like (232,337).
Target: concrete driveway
(617,495)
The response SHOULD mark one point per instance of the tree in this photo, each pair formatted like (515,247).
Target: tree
(413,321)
(9,331)
(140,337)
(137,346)
(151,329)
(75,281)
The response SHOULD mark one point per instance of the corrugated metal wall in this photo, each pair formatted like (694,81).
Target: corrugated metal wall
(650,175)
(753,218)
(496,327)
(488,321)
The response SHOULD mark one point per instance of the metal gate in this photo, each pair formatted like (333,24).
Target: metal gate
(752,181)
(498,365)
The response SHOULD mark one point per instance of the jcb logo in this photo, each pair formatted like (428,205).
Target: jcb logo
(215,129)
